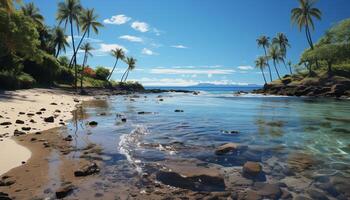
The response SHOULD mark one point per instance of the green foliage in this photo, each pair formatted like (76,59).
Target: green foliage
(65,75)
(338,34)
(129,86)
(102,73)
(26,81)
(64,61)
(12,80)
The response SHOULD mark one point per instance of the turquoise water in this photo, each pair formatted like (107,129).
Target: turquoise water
(308,136)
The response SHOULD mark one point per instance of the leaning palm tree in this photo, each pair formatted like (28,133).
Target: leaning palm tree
(87,48)
(88,21)
(33,12)
(263,41)
(59,41)
(289,63)
(8,5)
(276,57)
(261,64)
(302,16)
(69,11)
(281,41)
(118,53)
(131,62)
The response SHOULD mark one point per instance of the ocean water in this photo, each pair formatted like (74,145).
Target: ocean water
(291,137)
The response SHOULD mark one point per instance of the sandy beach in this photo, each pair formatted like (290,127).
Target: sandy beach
(27,112)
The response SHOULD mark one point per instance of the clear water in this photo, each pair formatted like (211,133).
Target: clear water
(289,129)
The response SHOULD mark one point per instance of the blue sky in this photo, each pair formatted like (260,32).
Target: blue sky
(186,42)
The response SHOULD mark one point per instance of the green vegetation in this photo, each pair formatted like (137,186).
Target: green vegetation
(37,58)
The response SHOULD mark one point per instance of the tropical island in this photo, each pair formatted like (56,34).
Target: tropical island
(80,118)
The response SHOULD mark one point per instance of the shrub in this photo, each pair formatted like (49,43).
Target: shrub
(88,71)
(25,81)
(10,80)
(65,75)
(102,73)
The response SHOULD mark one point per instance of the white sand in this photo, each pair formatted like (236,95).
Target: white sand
(30,101)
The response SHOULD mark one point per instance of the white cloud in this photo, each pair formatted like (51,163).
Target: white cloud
(131,38)
(245,67)
(105,49)
(77,38)
(148,52)
(182,82)
(140,26)
(117,19)
(179,46)
(192,71)
(197,67)
(157,32)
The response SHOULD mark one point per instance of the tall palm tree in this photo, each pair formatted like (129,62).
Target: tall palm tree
(59,41)
(289,63)
(263,41)
(276,57)
(8,5)
(87,48)
(88,21)
(260,63)
(69,11)
(118,54)
(131,62)
(282,42)
(303,17)
(33,12)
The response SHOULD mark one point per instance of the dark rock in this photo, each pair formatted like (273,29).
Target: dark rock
(49,119)
(68,138)
(6,183)
(58,111)
(123,119)
(5,123)
(26,128)
(103,114)
(317,194)
(270,191)
(32,121)
(38,113)
(87,170)
(252,168)
(18,133)
(62,123)
(38,133)
(33,139)
(179,111)
(161,99)
(22,113)
(54,104)
(144,113)
(64,191)
(76,100)
(4,196)
(43,109)
(252,195)
(30,114)
(93,123)
(223,149)
(19,121)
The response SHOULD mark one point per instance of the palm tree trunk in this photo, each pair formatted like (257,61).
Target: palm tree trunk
(58,51)
(82,72)
(77,49)
(262,72)
(290,69)
(284,63)
(121,80)
(110,75)
(268,65)
(278,74)
(126,77)
(75,67)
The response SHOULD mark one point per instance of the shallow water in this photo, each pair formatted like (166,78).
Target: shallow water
(290,137)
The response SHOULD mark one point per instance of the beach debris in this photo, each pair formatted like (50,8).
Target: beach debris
(50,119)
(26,128)
(5,123)
(87,170)
(93,123)
(177,110)
(64,191)
(19,121)
(252,168)
(223,149)
(18,133)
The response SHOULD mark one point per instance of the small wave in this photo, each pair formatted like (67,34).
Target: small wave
(130,141)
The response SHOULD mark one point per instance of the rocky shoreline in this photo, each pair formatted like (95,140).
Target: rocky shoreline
(338,87)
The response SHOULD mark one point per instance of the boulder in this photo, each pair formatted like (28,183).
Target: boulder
(49,119)
(252,168)
(223,149)
(87,170)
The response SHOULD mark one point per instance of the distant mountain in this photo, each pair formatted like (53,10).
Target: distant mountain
(224,85)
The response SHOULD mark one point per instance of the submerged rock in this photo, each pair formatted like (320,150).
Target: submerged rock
(87,170)
(177,110)
(64,191)
(93,123)
(223,149)
(252,168)
(269,191)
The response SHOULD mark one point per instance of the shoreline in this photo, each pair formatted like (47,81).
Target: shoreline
(27,112)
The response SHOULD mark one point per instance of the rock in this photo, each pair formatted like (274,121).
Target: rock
(4,196)
(317,194)
(195,93)
(22,113)
(43,109)
(49,119)
(103,114)
(38,133)
(19,121)
(143,113)
(252,195)
(161,99)
(46,144)
(76,100)
(286,195)
(38,113)
(32,121)
(252,168)
(68,138)
(87,170)
(26,128)
(6,183)
(62,123)
(30,114)
(58,111)
(93,123)
(123,119)
(178,111)
(223,149)
(54,104)
(269,191)
(5,123)
(64,191)
(18,133)
(33,139)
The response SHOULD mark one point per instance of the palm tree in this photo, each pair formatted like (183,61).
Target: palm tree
(59,41)
(289,63)
(118,54)
(263,41)
(8,5)
(282,43)
(87,48)
(275,55)
(32,12)
(69,11)
(88,20)
(303,15)
(131,62)
(261,64)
